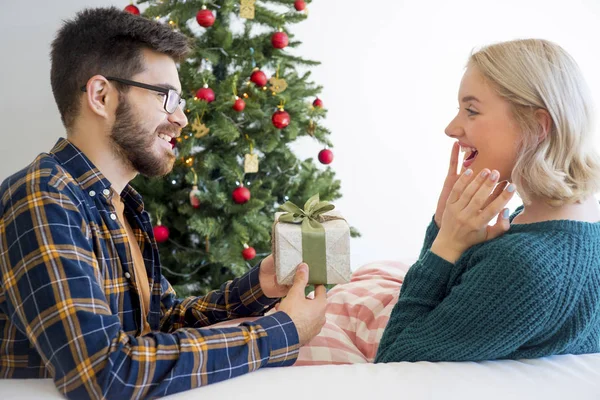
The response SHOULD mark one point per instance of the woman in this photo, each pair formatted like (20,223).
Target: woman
(529,285)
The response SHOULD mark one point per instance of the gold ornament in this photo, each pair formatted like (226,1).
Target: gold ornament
(251,163)
(311,127)
(200,130)
(278,85)
(247,9)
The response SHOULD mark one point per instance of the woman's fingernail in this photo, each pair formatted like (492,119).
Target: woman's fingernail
(511,188)
(505,213)
(468,172)
(494,175)
(484,173)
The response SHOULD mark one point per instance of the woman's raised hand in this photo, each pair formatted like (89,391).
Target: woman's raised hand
(471,204)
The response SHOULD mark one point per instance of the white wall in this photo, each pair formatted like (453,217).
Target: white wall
(391,70)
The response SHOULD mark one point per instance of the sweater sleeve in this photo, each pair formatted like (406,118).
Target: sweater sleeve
(499,304)
(430,235)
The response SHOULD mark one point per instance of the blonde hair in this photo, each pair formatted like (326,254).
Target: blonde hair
(535,74)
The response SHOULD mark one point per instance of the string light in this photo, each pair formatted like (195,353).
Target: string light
(189,161)
(245,95)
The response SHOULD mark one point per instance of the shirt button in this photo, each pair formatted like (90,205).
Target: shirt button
(113,217)
(92,193)
(127,275)
(106,192)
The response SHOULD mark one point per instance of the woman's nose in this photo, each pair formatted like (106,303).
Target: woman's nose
(454,129)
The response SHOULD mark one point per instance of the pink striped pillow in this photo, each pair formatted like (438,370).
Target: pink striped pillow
(357,313)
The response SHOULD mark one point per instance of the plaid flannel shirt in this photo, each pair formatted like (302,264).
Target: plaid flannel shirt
(70,309)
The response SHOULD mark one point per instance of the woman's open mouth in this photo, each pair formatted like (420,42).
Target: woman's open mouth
(471,155)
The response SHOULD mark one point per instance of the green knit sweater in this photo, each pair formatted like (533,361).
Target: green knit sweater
(532,292)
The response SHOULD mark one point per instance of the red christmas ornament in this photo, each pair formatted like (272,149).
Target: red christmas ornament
(280,119)
(318,103)
(194,200)
(299,5)
(205,17)
(206,94)
(240,195)
(279,40)
(239,104)
(259,78)
(132,9)
(326,156)
(161,233)
(248,253)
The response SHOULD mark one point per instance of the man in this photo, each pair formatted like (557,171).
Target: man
(82,298)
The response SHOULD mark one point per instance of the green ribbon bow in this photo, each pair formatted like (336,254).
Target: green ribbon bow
(313,235)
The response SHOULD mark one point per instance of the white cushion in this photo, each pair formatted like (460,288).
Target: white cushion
(559,377)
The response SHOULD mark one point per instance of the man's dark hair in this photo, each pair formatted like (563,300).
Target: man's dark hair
(109,42)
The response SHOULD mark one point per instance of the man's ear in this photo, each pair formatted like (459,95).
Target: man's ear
(98,95)
(545,121)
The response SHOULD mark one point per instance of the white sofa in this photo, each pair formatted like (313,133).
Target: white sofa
(559,377)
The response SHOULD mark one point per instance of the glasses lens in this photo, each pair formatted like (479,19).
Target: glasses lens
(173,100)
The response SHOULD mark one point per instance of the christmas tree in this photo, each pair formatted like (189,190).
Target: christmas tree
(246,102)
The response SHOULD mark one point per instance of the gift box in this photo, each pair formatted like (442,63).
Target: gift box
(316,235)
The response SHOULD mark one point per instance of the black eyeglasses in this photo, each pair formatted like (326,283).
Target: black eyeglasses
(172,98)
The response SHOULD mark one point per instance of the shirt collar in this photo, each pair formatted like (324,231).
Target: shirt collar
(80,167)
(133,198)
(89,177)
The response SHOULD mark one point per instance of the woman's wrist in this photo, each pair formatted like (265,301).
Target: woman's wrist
(446,250)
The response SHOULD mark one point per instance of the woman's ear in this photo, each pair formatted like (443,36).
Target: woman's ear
(97,93)
(545,121)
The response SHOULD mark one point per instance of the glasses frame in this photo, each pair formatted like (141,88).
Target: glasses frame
(168,92)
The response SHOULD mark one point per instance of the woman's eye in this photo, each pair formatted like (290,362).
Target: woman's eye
(471,112)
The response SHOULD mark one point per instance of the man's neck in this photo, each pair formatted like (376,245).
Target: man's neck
(96,146)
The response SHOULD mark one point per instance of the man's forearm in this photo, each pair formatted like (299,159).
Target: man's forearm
(238,298)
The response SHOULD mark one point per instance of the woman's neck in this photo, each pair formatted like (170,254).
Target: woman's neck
(587,210)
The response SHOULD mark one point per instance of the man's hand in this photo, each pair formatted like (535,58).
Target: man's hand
(268,279)
(308,315)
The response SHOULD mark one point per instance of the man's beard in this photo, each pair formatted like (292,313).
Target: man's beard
(134,146)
